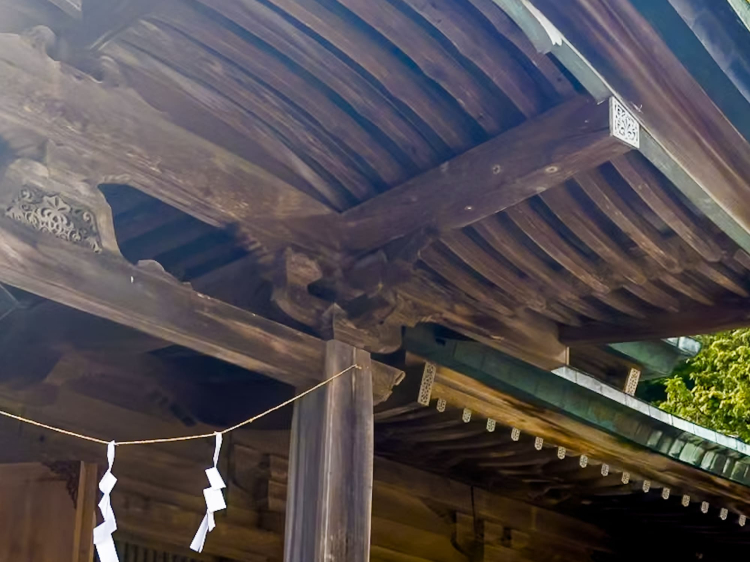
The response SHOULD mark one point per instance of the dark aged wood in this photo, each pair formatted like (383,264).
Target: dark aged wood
(561,429)
(86,501)
(272,75)
(646,184)
(630,55)
(157,500)
(110,133)
(435,61)
(330,465)
(516,165)
(277,31)
(697,319)
(110,287)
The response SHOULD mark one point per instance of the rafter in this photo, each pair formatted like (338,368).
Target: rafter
(107,134)
(697,320)
(689,139)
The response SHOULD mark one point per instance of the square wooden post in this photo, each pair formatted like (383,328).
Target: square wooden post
(329,501)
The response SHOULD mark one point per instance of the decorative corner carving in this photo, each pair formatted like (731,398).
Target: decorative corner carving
(428,379)
(56,202)
(54,214)
(622,124)
(631,384)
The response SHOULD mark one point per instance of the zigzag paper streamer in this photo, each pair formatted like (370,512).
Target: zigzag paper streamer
(214,500)
(105,546)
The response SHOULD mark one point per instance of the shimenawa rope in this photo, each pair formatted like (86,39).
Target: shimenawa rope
(183,438)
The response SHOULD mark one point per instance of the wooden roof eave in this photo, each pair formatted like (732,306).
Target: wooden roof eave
(683,133)
(580,413)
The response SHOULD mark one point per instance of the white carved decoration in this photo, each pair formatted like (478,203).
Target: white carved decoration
(622,124)
(428,379)
(54,215)
(631,384)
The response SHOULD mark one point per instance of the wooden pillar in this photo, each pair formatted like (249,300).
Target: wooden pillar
(47,512)
(86,503)
(329,501)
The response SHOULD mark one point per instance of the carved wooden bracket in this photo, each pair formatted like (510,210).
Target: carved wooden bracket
(384,378)
(364,324)
(293,275)
(58,203)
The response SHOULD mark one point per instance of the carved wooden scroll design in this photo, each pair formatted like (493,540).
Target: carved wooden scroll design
(55,215)
(622,124)
(48,198)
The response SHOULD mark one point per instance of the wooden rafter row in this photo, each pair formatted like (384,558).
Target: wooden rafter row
(462,391)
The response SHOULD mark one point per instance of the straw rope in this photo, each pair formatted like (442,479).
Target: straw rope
(185,437)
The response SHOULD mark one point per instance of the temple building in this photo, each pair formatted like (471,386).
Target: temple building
(368,280)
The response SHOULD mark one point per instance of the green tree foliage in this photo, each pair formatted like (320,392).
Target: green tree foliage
(713,388)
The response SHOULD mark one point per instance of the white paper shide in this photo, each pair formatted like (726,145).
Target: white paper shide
(105,545)
(214,500)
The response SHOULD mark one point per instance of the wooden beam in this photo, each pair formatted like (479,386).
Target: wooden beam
(125,140)
(523,162)
(697,320)
(329,502)
(108,286)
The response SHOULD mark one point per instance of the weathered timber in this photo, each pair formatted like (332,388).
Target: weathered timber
(401,81)
(36,503)
(86,501)
(329,502)
(627,52)
(646,183)
(496,396)
(435,61)
(457,24)
(127,141)
(108,286)
(498,174)
(277,31)
(699,319)
(61,263)
(158,483)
